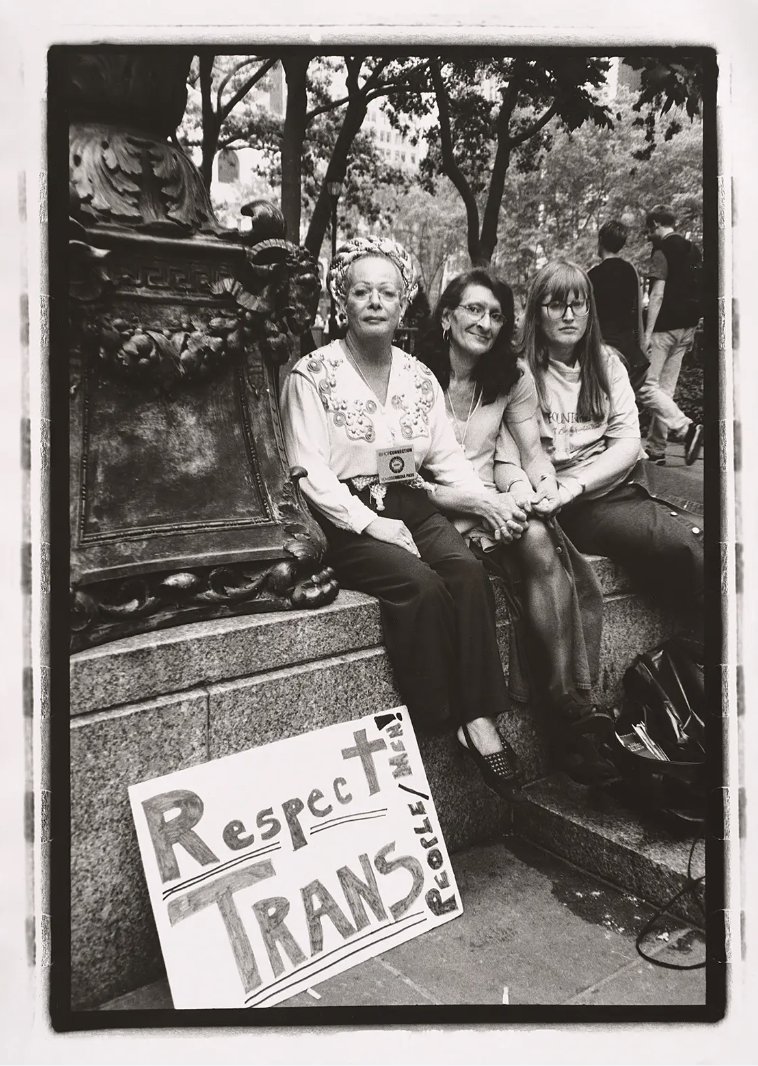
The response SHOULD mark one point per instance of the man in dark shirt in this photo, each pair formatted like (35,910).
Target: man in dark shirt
(672,315)
(616,286)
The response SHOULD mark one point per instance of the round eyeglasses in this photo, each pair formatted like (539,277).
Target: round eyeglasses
(558,308)
(362,293)
(478,311)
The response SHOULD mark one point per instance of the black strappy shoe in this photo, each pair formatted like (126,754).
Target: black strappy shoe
(584,746)
(500,771)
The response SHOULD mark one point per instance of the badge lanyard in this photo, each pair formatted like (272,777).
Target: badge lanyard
(396,463)
(472,407)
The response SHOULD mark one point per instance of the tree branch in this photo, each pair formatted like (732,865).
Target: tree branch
(374,75)
(235,70)
(449,165)
(245,88)
(531,130)
(370,94)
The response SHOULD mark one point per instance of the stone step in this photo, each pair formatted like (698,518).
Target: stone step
(182,658)
(614,840)
(147,705)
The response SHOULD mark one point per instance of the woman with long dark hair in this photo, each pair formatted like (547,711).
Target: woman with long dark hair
(610,504)
(363,417)
(554,597)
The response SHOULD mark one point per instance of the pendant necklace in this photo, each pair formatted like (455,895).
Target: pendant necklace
(476,395)
(354,363)
(377,491)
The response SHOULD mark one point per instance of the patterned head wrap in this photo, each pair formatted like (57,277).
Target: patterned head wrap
(359,248)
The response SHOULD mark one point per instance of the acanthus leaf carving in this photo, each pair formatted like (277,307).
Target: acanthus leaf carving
(122,177)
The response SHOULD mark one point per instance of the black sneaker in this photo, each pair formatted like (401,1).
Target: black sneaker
(659,460)
(693,443)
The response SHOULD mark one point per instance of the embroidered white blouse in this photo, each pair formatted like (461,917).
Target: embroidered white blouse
(334,423)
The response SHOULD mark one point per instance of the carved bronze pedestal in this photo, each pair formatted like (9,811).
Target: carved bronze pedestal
(183,505)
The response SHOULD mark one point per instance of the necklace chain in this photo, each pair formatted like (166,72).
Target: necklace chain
(354,362)
(475,395)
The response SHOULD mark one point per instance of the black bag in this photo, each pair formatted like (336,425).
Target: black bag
(661,732)
(694,280)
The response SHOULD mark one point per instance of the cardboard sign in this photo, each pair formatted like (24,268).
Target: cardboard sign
(274,869)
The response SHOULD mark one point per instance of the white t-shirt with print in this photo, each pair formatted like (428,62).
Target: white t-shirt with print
(572,444)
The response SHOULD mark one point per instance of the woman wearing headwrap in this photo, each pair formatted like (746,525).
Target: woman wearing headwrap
(363,417)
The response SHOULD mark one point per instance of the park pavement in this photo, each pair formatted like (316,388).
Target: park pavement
(535,930)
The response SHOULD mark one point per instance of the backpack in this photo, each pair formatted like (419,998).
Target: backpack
(660,733)
(694,279)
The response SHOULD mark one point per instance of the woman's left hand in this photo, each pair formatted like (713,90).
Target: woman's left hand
(548,499)
(504,516)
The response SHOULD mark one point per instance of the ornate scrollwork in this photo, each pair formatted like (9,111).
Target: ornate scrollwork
(123,177)
(279,293)
(181,350)
(151,601)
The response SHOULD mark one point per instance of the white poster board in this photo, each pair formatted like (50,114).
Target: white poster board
(274,869)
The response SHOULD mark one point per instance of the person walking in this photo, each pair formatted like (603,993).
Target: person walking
(616,287)
(673,312)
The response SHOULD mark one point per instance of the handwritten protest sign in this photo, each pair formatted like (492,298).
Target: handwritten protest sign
(274,869)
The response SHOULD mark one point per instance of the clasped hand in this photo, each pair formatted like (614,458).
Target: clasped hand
(506,517)
(547,498)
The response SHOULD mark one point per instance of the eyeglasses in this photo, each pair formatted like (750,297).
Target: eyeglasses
(362,293)
(558,308)
(478,311)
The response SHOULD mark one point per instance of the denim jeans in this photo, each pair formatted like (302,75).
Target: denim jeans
(656,536)
(666,354)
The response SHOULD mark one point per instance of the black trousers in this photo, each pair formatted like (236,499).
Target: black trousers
(438,612)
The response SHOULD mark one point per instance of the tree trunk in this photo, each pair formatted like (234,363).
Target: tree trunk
(211,133)
(211,124)
(293,135)
(336,170)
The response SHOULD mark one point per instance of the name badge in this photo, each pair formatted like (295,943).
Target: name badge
(395,464)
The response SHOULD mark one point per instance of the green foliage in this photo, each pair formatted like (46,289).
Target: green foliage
(665,84)
(554,207)
(431,225)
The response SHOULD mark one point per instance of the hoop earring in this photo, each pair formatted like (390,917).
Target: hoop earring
(446,334)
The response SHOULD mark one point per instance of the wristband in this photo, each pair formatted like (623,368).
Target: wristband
(517,481)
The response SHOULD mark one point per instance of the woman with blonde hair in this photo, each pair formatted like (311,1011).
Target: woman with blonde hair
(363,417)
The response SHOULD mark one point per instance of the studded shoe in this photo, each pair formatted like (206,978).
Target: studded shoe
(500,771)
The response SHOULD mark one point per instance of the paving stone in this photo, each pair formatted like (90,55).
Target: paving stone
(155,996)
(184,657)
(114,946)
(595,831)
(379,984)
(643,984)
(532,924)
